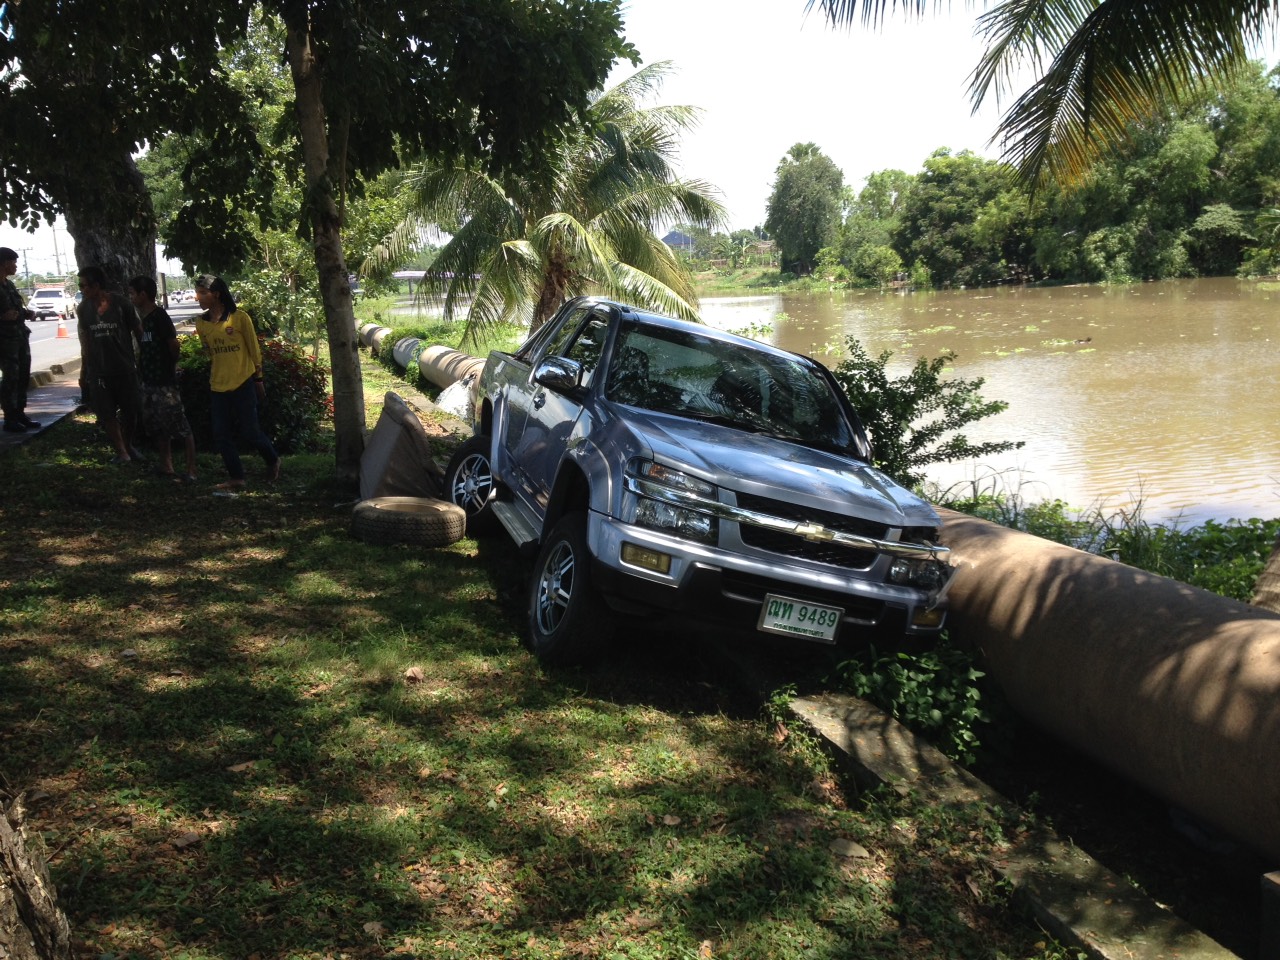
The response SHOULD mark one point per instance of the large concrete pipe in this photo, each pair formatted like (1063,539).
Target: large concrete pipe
(444,365)
(404,350)
(1173,687)
(366,332)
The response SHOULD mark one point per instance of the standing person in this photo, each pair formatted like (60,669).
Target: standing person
(15,349)
(235,379)
(109,373)
(158,352)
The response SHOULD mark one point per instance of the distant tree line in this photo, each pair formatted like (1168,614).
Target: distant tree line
(1193,192)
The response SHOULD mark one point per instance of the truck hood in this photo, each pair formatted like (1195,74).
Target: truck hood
(778,469)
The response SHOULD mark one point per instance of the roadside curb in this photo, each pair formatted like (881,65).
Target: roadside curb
(1077,900)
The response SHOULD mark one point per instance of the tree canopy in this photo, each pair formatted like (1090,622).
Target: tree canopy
(803,211)
(494,79)
(522,245)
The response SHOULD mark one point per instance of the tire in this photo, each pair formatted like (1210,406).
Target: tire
(568,621)
(417,521)
(469,484)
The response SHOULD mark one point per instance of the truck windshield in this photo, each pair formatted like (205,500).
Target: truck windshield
(692,375)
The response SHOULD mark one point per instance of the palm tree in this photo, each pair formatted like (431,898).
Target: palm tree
(1110,62)
(521,247)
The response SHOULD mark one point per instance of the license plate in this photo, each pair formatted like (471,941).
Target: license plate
(797,618)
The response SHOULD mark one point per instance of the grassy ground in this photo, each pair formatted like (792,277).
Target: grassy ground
(244,734)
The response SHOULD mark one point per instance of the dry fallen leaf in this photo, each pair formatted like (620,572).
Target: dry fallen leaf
(842,847)
(190,838)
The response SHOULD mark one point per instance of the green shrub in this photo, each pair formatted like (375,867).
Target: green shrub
(934,693)
(298,398)
(910,417)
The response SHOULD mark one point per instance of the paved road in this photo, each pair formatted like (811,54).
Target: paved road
(47,348)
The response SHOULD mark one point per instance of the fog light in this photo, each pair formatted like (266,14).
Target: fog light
(645,558)
(928,618)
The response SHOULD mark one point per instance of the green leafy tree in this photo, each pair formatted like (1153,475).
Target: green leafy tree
(875,216)
(498,79)
(913,419)
(941,217)
(523,245)
(82,96)
(804,208)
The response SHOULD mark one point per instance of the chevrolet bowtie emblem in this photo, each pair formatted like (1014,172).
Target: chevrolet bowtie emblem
(814,531)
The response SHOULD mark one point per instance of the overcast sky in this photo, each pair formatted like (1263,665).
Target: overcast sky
(766,77)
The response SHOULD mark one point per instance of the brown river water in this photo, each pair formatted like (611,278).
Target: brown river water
(1161,396)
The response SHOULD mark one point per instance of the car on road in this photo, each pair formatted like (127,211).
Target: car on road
(655,466)
(48,303)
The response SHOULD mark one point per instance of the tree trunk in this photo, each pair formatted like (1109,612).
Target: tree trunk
(32,927)
(1266,592)
(335,288)
(119,237)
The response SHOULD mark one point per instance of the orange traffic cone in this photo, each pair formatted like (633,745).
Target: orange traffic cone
(62,328)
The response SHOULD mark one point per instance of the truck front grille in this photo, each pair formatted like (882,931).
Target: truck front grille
(790,545)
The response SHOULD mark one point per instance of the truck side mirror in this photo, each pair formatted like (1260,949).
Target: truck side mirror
(558,373)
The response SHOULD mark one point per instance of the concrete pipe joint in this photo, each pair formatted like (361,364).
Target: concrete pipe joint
(1174,687)
(405,350)
(366,333)
(443,366)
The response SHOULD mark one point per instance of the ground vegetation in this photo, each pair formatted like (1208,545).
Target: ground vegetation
(240,731)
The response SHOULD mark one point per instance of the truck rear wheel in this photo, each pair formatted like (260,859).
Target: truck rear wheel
(568,621)
(469,483)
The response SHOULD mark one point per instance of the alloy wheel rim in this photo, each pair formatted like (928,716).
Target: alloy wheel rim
(473,484)
(555,588)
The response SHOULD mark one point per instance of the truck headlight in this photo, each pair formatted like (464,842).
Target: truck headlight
(659,515)
(925,574)
(684,523)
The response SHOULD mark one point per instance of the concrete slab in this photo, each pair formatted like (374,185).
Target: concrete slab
(52,396)
(1075,898)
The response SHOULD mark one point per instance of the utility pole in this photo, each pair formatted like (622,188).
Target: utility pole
(26,274)
(57,260)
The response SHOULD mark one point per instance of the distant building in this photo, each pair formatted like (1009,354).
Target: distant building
(679,241)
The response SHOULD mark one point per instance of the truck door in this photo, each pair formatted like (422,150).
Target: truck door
(552,415)
(520,394)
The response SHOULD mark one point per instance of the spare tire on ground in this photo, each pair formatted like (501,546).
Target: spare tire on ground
(418,521)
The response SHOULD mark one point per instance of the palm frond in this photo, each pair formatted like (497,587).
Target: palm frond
(843,12)
(1123,60)
(636,286)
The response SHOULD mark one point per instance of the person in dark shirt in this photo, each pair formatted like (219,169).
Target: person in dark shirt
(15,349)
(158,352)
(109,373)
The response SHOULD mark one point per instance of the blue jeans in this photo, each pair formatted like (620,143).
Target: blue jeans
(239,406)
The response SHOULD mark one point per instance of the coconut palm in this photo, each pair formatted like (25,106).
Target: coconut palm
(1110,62)
(521,247)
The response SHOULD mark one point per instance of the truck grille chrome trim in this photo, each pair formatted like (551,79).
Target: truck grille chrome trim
(810,531)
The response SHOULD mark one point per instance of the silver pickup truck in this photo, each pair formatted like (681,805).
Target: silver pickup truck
(661,466)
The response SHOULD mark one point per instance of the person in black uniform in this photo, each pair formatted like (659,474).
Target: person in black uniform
(15,349)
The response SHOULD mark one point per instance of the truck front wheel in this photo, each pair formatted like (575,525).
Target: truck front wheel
(567,619)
